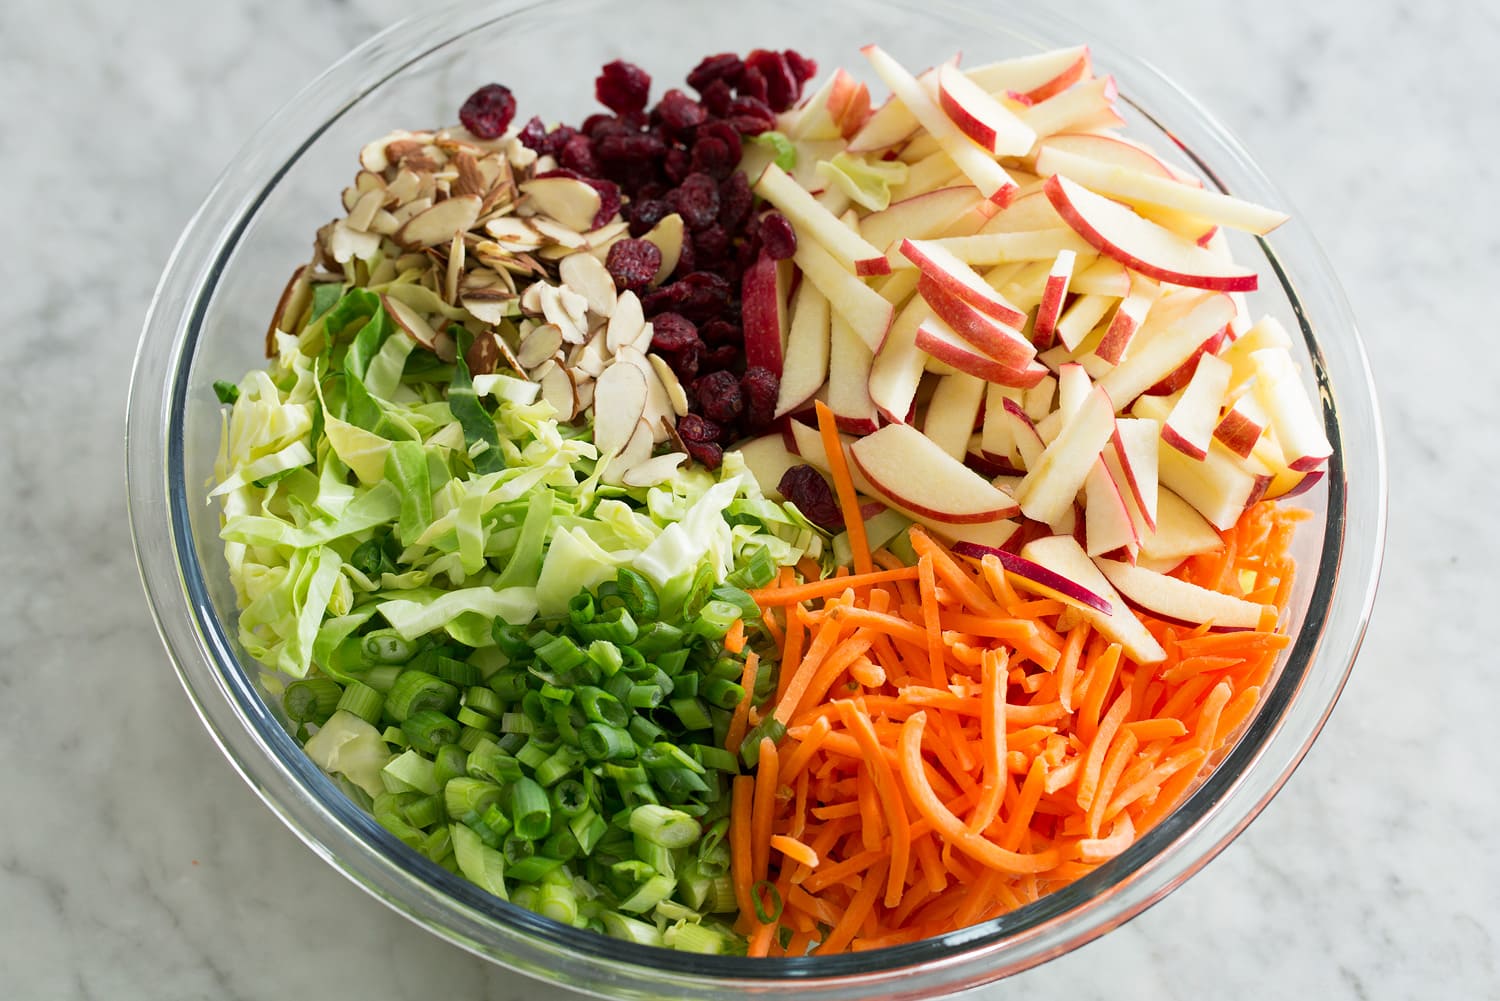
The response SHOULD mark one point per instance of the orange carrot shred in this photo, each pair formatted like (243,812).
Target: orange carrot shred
(843,485)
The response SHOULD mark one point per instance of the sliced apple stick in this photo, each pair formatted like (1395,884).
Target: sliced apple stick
(1180,531)
(1001,342)
(1267,332)
(1102,276)
(849,364)
(979,116)
(899,363)
(1081,317)
(1106,516)
(768,459)
(1298,427)
(953,411)
(1241,427)
(1157,356)
(1141,188)
(1037,77)
(929,174)
(1136,446)
(1049,488)
(987,249)
(1054,294)
(1073,387)
(905,464)
(1190,425)
(763,292)
(1128,318)
(1028,212)
(1038,399)
(1142,245)
(1083,105)
(940,341)
(1026,284)
(1120,152)
(1029,444)
(997,439)
(807,350)
(1178,600)
(980,167)
(866,311)
(814,222)
(919,217)
(1219,485)
(1062,555)
(937,262)
(890,124)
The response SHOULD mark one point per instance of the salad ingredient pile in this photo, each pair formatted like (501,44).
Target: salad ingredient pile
(767,524)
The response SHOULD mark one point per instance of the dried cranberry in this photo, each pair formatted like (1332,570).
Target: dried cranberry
(712,245)
(646,213)
(710,454)
(760,388)
(672,332)
(687,257)
(719,397)
(705,295)
(721,332)
(488,111)
(622,87)
(609,199)
(725,66)
(735,201)
(725,356)
(751,116)
(716,97)
(630,146)
(697,199)
(678,112)
(711,156)
(805,487)
(578,154)
(599,125)
(777,236)
(533,135)
(694,427)
(685,363)
(725,133)
(803,68)
(632,264)
(781,84)
(752,83)
(677,164)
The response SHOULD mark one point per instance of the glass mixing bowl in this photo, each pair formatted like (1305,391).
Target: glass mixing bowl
(209,313)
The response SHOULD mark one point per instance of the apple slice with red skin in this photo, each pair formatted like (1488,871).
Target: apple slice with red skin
(1135,447)
(768,458)
(1129,316)
(1085,105)
(1029,212)
(940,341)
(1176,379)
(1118,152)
(1073,387)
(952,412)
(868,313)
(813,222)
(1029,444)
(1107,522)
(807,350)
(1298,427)
(1036,77)
(1062,555)
(849,364)
(921,216)
(907,466)
(1190,425)
(1179,601)
(997,440)
(1037,578)
(1142,245)
(1005,344)
(958,279)
(1242,425)
(763,314)
(1180,531)
(979,116)
(1052,483)
(1162,352)
(1054,294)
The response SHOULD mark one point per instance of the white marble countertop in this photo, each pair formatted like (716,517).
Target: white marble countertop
(135,865)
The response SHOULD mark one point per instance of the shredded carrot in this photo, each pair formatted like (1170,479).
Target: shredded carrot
(843,485)
(957,746)
(734,640)
(739,721)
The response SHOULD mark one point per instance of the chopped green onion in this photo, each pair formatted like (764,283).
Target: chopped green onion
(715,758)
(650,893)
(588,827)
(739,598)
(606,743)
(415,691)
(601,707)
(724,693)
(761,891)
(480,863)
(581,608)
(619,926)
(478,721)
(557,902)
(497,822)
(645,730)
(533,868)
(509,684)
(386,646)
(715,619)
(517,848)
(382,679)
(561,653)
(466,797)
(428,729)
(556,694)
(685,685)
(616,626)
(664,826)
(470,736)
(703,583)
(658,637)
(484,700)
(562,763)
(362,700)
(690,936)
(758,571)
(450,762)
(561,844)
(438,846)
(645,696)
(673,661)
(457,672)
(311,700)
(513,641)
(529,809)
(638,594)
(227,392)
(569,798)
(750,746)
(606,656)
(679,783)
(424,812)
(693,713)
(409,771)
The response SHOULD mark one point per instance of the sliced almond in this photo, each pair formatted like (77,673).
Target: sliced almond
(557,310)
(658,402)
(513,232)
(456,254)
(585,275)
(519,154)
(593,356)
(384,223)
(654,470)
(625,322)
(539,345)
(584,388)
(345,244)
(488,305)
(373,156)
(364,209)
(607,234)
(412,322)
(620,395)
(558,233)
(636,451)
(669,431)
(439,223)
(667,235)
(483,356)
(570,202)
(468,179)
(404,187)
(642,342)
(408,211)
(444,346)
(531,299)
(289,308)
(557,389)
(670,383)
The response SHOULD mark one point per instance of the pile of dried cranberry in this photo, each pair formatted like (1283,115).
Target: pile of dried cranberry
(680,156)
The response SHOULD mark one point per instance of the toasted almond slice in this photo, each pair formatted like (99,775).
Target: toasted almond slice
(570,202)
(405,186)
(484,354)
(625,322)
(670,383)
(410,210)
(575,305)
(444,346)
(620,396)
(667,235)
(557,389)
(294,299)
(558,233)
(511,229)
(345,244)
(531,299)
(585,275)
(642,342)
(654,470)
(557,311)
(410,321)
(669,429)
(373,156)
(637,450)
(594,355)
(439,223)
(364,209)
(457,253)
(658,402)
(368,180)
(384,223)
(584,388)
(539,345)
(519,155)
(606,234)
(469,179)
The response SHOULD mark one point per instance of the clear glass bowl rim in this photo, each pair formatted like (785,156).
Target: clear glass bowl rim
(254,742)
